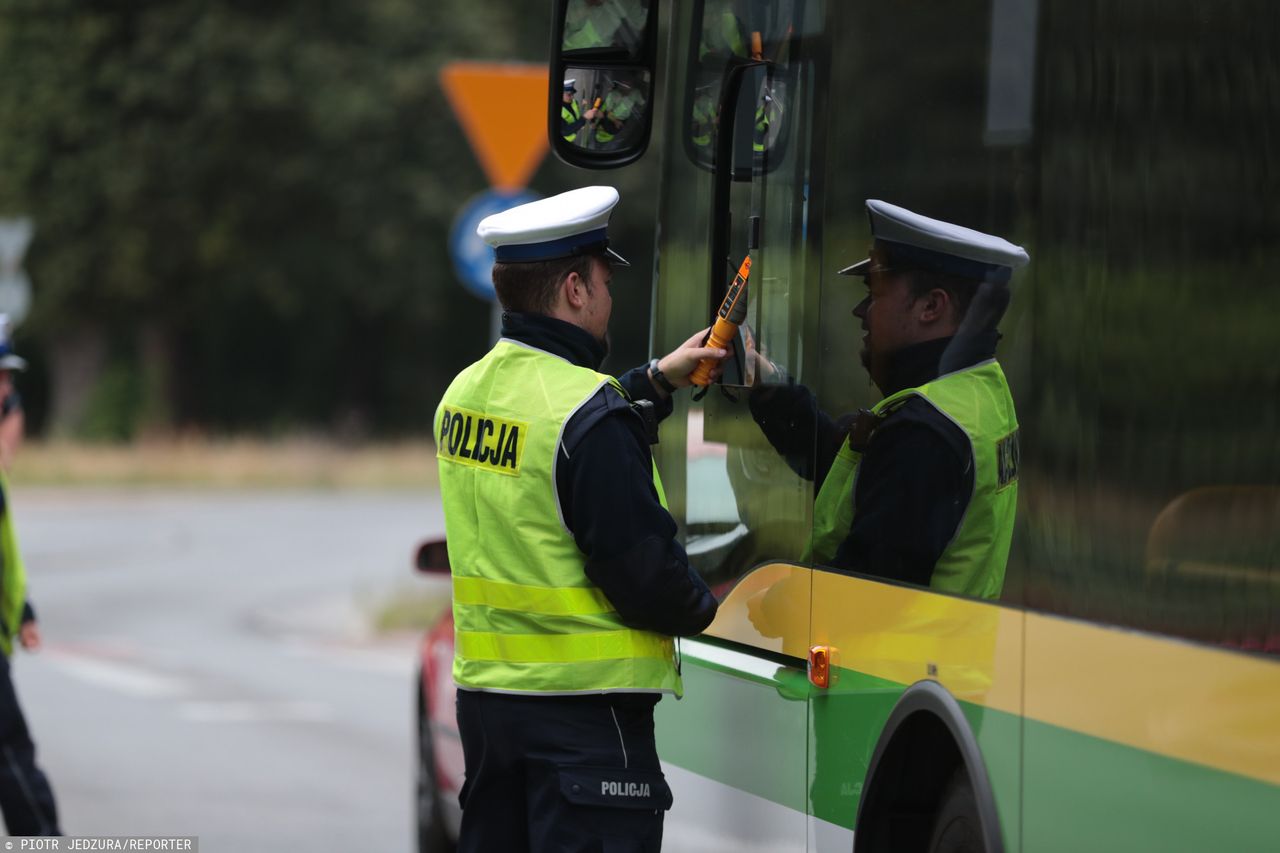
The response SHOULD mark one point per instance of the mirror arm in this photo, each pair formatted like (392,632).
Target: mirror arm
(723,173)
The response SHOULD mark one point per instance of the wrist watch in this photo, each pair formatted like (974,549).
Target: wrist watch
(659,379)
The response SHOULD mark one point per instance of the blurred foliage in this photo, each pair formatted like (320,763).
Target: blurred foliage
(251,202)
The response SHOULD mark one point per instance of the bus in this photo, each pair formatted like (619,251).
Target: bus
(1123,692)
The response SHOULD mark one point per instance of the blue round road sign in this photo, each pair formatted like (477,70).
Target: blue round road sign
(472,258)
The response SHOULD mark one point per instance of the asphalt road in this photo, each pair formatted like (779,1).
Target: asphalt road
(205,670)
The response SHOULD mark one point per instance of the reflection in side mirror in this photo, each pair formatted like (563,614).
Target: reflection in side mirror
(604,110)
(432,557)
(602,86)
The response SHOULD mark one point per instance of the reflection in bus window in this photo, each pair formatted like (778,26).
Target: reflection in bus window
(723,35)
(742,506)
(1140,348)
(706,117)
(732,33)
(922,488)
(1128,674)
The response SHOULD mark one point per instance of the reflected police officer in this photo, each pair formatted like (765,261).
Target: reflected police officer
(572,116)
(568,582)
(621,114)
(923,487)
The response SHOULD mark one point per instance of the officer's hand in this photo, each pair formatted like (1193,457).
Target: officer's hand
(680,362)
(29,636)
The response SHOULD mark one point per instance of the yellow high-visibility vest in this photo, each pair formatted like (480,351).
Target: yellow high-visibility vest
(527,618)
(978,401)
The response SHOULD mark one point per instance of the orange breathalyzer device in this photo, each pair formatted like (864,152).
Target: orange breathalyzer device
(733,310)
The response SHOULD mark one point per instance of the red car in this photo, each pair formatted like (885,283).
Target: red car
(440,764)
(440,767)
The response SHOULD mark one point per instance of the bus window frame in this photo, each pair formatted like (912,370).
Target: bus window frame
(761,163)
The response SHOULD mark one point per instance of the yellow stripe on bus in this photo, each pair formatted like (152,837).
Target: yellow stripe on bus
(1173,698)
(1166,696)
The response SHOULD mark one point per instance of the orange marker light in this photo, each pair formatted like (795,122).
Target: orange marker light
(733,310)
(820,666)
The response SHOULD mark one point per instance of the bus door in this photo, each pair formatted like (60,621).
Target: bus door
(933,113)
(736,183)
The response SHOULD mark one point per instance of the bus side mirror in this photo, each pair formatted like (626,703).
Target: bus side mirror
(600,106)
(432,557)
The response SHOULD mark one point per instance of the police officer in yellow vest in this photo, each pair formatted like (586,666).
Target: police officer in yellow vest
(572,117)
(568,582)
(26,798)
(620,115)
(923,487)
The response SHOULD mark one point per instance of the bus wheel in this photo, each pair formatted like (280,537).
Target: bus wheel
(957,829)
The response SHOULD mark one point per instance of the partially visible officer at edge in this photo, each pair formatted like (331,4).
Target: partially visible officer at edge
(12,419)
(923,487)
(568,581)
(25,796)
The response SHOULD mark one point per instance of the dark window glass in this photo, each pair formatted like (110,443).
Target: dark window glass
(1131,149)
(1152,443)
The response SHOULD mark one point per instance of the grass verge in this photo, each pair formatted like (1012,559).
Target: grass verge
(235,463)
(408,609)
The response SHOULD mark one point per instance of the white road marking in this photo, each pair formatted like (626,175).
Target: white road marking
(396,660)
(242,711)
(133,680)
(120,677)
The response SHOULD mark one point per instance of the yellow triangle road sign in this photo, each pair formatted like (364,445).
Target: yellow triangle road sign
(502,107)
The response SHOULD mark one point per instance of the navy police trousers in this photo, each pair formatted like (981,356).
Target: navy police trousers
(25,796)
(571,774)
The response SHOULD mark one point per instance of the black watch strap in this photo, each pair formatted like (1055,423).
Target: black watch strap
(659,379)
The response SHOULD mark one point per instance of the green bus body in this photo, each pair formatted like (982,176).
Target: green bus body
(1124,692)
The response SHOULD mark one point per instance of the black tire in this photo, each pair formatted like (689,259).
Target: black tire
(432,837)
(958,828)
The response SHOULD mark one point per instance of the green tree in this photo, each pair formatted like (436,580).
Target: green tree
(242,209)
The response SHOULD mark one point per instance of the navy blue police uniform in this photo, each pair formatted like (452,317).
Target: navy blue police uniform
(629,543)
(579,771)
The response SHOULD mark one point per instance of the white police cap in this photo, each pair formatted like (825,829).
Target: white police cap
(563,226)
(9,360)
(570,84)
(904,239)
